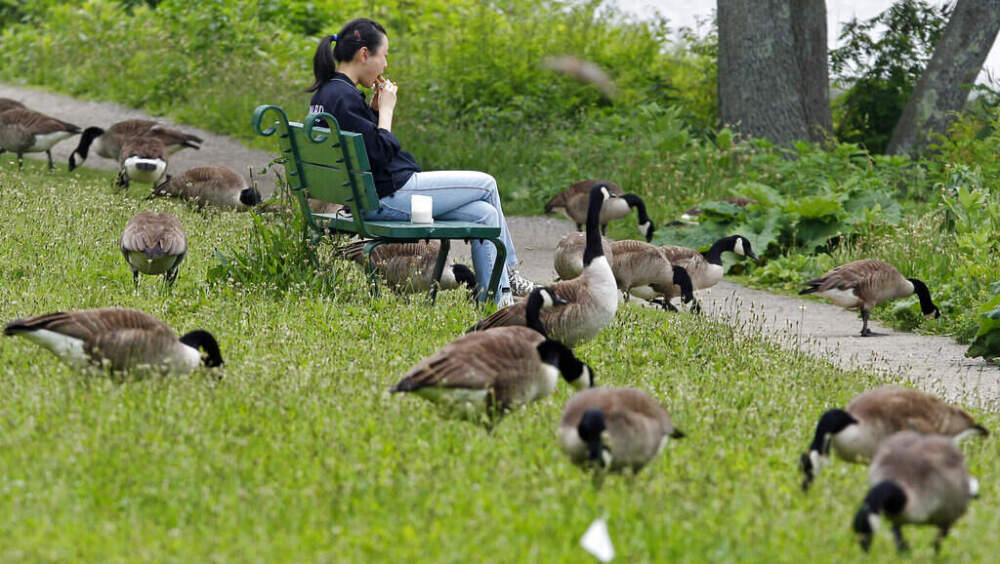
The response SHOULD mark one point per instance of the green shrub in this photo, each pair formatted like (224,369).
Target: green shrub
(987,341)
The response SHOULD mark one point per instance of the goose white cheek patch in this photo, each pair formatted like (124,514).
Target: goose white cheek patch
(738,248)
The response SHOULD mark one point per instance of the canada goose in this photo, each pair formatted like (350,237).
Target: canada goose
(867,283)
(705,270)
(592,297)
(120,339)
(573,202)
(916,479)
(9,104)
(568,257)
(856,431)
(488,373)
(154,243)
(410,266)
(25,131)
(108,143)
(641,264)
(143,159)
(215,185)
(614,428)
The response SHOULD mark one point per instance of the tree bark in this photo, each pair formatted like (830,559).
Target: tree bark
(773,77)
(809,29)
(943,87)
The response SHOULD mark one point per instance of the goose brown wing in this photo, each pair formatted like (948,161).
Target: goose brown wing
(681,256)
(174,137)
(129,347)
(512,315)
(38,123)
(131,128)
(475,361)
(87,324)
(147,230)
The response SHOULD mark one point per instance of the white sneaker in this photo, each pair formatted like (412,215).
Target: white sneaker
(519,285)
(505,299)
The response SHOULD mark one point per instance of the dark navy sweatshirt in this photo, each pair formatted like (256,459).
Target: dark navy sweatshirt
(391,165)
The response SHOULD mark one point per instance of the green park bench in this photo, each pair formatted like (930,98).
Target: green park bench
(334,168)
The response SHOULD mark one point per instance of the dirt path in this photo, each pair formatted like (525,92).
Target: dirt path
(936,364)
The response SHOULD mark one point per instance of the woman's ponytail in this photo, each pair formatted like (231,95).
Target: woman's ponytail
(323,63)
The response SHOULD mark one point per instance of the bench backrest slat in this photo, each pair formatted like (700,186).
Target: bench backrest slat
(325,172)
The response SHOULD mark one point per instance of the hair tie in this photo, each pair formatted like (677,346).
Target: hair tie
(334,36)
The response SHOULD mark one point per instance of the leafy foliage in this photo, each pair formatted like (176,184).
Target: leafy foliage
(879,74)
(987,341)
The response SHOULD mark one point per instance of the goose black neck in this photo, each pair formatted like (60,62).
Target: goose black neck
(714,254)
(86,138)
(590,428)
(920,289)
(533,312)
(683,279)
(204,341)
(634,201)
(593,248)
(885,496)
(830,423)
(555,353)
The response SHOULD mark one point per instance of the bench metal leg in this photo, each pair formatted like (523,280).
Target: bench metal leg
(370,266)
(439,269)
(498,266)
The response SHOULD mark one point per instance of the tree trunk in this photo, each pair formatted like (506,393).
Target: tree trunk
(773,78)
(809,29)
(944,85)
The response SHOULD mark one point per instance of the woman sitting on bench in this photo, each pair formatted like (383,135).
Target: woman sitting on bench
(359,56)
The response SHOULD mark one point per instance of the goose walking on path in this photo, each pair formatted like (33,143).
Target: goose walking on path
(26,131)
(915,479)
(614,428)
(592,298)
(108,143)
(574,201)
(120,339)
(866,283)
(154,243)
(856,431)
(488,373)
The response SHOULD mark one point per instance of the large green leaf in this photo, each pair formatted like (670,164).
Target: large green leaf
(817,205)
(987,341)
(811,233)
(698,237)
(764,194)
(860,203)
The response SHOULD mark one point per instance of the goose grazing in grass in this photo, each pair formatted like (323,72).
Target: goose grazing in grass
(143,159)
(614,428)
(154,243)
(211,185)
(120,339)
(488,373)
(573,202)
(10,104)
(26,131)
(915,479)
(592,298)
(866,283)
(856,431)
(705,270)
(108,143)
(410,266)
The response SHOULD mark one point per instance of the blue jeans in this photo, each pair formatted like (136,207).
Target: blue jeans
(459,196)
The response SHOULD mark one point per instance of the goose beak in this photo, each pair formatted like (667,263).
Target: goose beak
(753,255)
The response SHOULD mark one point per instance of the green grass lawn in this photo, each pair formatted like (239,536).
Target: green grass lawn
(296,452)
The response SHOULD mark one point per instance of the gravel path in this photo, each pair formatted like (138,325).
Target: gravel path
(936,364)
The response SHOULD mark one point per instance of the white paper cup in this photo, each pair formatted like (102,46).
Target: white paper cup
(421,209)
